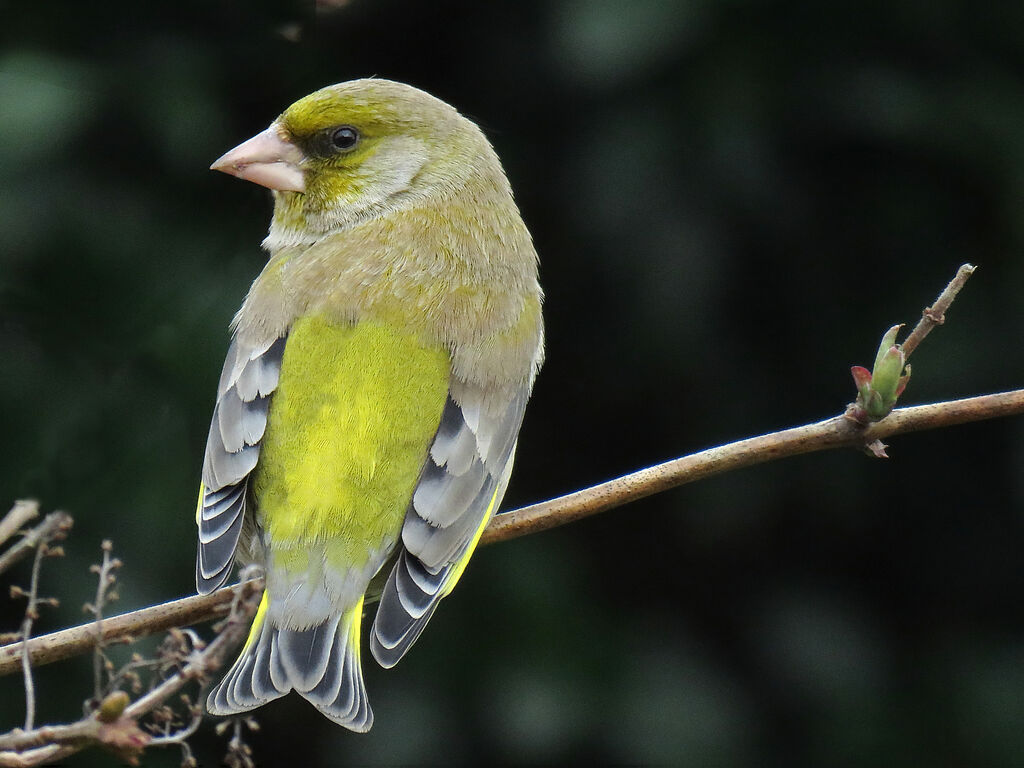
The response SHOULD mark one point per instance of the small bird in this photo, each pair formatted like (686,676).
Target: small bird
(368,410)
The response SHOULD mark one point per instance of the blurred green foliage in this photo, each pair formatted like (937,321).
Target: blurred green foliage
(732,201)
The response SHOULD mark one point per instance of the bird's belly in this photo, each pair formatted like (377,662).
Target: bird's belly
(348,430)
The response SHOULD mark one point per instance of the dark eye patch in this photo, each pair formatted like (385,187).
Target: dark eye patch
(329,142)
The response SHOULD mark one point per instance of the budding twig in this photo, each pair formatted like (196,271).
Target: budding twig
(105,580)
(54,525)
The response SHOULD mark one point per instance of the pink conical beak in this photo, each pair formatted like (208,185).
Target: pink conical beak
(266,159)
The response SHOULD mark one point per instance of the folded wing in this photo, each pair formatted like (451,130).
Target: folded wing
(459,490)
(248,379)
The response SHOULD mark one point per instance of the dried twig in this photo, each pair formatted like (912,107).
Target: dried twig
(31,614)
(114,725)
(239,753)
(42,535)
(105,581)
(54,525)
(22,511)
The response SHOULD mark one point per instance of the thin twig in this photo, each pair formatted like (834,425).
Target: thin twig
(31,613)
(832,433)
(179,736)
(22,511)
(936,313)
(54,525)
(243,608)
(54,743)
(119,731)
(105,580)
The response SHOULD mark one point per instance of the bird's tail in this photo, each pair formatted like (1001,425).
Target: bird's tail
(321,663)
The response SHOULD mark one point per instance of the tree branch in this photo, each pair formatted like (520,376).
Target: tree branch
(837,432)
(119,629)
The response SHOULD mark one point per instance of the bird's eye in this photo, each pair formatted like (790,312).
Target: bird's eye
(344,137)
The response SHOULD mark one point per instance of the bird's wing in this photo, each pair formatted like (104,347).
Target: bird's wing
(459,490)
(248,379)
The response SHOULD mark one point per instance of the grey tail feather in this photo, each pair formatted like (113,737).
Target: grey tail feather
(321,663)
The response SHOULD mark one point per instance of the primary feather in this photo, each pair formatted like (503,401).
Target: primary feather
(368,411)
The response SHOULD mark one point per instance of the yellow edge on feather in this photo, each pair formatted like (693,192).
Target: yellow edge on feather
(456,573)
(257,623)
(353,629)
(199,505)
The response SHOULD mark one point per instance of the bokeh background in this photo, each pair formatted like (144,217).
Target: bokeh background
(732,200)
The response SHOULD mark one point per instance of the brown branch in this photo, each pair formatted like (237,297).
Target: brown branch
(836,432)
(123,628)
(936,313)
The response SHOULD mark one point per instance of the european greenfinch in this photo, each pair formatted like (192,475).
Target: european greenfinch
(368,409)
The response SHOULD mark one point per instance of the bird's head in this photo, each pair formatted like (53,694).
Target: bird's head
(356,150)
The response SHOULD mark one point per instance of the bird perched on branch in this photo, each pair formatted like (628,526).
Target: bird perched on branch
(368,409)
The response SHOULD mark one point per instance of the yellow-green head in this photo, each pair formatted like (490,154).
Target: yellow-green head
(359,149)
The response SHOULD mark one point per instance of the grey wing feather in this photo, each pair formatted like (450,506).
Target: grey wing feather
(460,487)
(249,377)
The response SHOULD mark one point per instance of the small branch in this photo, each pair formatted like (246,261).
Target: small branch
(179,736)
(31,613)
(22,511)
(54,525)
(936,313)
(105,580)
(836,432)
(127,626)
(114,725)
(245,600)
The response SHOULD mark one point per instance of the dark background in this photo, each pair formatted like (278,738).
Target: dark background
(732,201)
